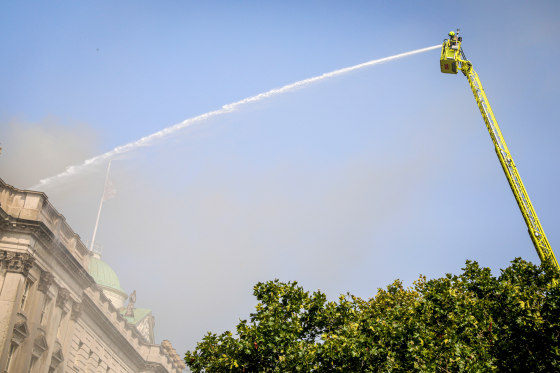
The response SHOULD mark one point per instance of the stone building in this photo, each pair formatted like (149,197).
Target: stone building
(61,306)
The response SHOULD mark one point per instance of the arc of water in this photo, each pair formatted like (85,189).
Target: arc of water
(148,140)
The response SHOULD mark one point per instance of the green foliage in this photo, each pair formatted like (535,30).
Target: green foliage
(471,322)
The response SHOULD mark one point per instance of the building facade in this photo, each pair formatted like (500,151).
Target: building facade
(61,306)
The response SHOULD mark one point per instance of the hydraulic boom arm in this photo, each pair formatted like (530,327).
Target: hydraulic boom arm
(453,59)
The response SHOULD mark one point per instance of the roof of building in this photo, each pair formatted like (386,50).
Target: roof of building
(103,274)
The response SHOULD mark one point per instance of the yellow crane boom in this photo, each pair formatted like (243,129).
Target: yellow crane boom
(452,60)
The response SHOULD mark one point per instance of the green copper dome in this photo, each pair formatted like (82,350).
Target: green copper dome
(104,275)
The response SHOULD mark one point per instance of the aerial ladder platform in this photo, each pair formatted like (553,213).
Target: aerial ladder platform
(453,60)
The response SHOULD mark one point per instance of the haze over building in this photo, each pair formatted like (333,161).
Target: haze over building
(61,307)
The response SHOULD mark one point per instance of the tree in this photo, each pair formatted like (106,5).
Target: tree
(470,322)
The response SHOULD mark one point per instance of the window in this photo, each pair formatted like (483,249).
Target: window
(76,358)
(45,309)
(11,353)
(28,284)
(32,364)
(61,326)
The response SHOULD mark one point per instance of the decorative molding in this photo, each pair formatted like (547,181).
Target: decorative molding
(17,262)
(45,281)
(62,297)
(76,311)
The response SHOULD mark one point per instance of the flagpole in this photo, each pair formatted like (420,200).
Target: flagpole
(100,206)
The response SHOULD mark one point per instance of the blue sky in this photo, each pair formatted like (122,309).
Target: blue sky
(345,185)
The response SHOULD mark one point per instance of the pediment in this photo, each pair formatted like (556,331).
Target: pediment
(21,331)
(57,356)
(40,344)
(146,328)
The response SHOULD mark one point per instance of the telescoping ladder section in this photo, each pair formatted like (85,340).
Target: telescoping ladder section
(533,224)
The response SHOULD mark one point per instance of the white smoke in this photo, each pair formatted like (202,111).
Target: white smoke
(148,140)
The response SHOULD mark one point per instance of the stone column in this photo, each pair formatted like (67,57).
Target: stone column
(17,268)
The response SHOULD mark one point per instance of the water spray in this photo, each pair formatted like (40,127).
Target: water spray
(150,139)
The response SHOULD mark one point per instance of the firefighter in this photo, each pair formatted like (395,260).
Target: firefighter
(452,38)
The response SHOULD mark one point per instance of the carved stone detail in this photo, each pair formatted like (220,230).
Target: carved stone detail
(76,311)
(17,262)
(63,295)
(45,281)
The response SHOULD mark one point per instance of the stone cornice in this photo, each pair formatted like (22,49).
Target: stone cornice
(17,262)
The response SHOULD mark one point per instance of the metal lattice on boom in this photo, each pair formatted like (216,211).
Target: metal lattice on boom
(452,60)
